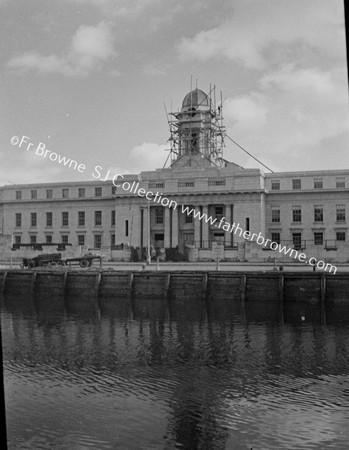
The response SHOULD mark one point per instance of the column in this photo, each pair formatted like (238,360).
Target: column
(174,227)
(228,235)
(197,229)
(167,229)
(205,229)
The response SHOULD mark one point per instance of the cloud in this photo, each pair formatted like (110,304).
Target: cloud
(90,48)
(293,113)
(148,156)
(318,24)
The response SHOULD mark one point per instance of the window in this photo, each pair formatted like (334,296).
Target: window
(340,182)
(49,193)
(113,217)
(216,182)
(65,219)
(188,218)
(297,184)
(112,240)
(98,192)
(159,215)
(340,213)
(98,218)
(81,239)
(18,195)
(81,218)
(113,190)
(33,239)
(18,219)
(98,240)
(156,184)
(81,192)
(48,238)
(296,214)
(18,239)
(219,211)
(318,238)
(49,219)
(186,184)
(275,215)
(297,240)
(247,227)
(64,238)
(65,193)
(33,219)
(275,237)
(275,185)
(318,183)
(340,236)
(126,228)
(33,194)
(318,213)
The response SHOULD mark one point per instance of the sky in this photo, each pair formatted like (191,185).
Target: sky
(90,79)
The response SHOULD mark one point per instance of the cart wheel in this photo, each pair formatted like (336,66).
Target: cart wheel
(31,265)
(84,263)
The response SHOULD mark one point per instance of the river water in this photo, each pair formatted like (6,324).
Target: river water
(145,374)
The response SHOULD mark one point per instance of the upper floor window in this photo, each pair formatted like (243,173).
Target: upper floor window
(18,219)
(81,192)
(219,211)
(297,183)
(81,218)
(340,213)
(49,193)
(159,218)
(65,218)
(340,182)
(33,194)
(48,238)
(65,193)
(186,183)
(33,238)
(275,185)
(18,239)
(113,190)
(318,238)
(98,218)
(216,182)
(33,219)
(18,195)
(49,219)
(98,240)
(318,183)
(188,217)
(98,192)
(113,215)
(275,215)
(65,239)
(156,184)
(296,214)
(275,237)
(340,236)
(318,213)
(81,239)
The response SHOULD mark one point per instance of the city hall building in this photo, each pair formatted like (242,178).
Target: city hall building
(123,218)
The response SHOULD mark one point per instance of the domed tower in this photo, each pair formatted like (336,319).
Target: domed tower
(197,131)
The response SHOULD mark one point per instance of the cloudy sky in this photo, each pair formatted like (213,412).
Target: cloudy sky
(89,80)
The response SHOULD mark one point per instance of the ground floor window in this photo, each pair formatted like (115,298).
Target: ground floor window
(48,239)
(65,238)
(275,237)
(340,236)
(33,239)
(297,240)
(98,241)
(18,239)
(318,238)
(81,239)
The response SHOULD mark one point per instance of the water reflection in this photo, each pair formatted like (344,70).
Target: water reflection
(151,374)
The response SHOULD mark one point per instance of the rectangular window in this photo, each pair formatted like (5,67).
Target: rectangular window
(64,239)
(98,192)
(219,211)
(18,239)
(318,213)
(247,227)
(49,219)
(81,192)
(48,238)
(340,182)
(126,228)
(156,185)
(65,219)
(113,217)
(186,184)
(318,238)
(216,182)
(65,193)
(98,218)
(296,214)
(275,215)
(49,193)
(113,190)
(340,213)
(275,237)
(275,185)
(33,219)
(81,239)
(33,194)
(188,218)
(112,240)
(81,218)
(296,183)
(318,183)
(33,239)
(340,236)
(297,240)
(159,215)
(18,219)
(98,240)
(18,195)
